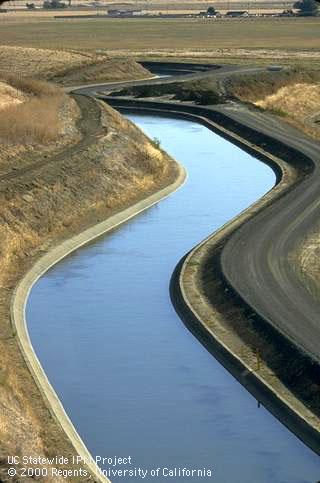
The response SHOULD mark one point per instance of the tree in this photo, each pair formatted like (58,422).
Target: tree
(307,7)
(211,11)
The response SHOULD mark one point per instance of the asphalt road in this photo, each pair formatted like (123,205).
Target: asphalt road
(258,259)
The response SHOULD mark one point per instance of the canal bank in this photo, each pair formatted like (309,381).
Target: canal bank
(38,214)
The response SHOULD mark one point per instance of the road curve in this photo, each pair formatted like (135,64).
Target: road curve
(178,74)
(258,259)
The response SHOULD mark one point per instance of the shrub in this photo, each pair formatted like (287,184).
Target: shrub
(156,143)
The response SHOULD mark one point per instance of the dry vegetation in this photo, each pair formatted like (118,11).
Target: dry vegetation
(63,66)
(37,62)
(121,166)
(32,102)
(299,104)
(106,70)
(253,87)
(9,96)
(35,117)
(293,94)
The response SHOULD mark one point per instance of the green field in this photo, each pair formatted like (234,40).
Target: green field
(153,34)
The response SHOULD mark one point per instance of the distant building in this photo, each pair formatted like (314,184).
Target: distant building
(237,13)
(115,12)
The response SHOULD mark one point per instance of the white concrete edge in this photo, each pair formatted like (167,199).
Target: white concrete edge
(20,298)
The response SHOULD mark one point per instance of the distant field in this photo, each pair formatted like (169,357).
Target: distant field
(186,37)
(264,41)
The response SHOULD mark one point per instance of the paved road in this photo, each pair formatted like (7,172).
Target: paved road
(257,260)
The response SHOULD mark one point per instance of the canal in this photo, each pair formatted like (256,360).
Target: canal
(132,378)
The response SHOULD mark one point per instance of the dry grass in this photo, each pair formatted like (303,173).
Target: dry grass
(23,122)
(9,95)
(38,62)
(299,103)
(105,70)
(33,87)
(122,164)
(55,64)
(293,94)
(151,162)
(254,87)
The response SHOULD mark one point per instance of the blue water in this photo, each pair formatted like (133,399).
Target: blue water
(132,378)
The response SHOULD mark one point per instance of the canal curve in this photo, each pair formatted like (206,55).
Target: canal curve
(132,379)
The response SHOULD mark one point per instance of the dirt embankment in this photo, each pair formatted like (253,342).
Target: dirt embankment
(67,67)
(106,165)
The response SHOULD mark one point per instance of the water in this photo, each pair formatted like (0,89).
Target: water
(132,378)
